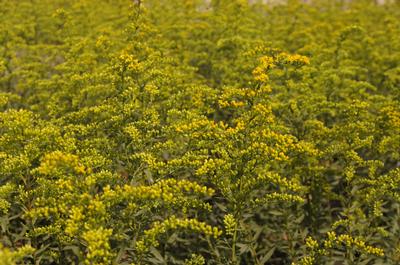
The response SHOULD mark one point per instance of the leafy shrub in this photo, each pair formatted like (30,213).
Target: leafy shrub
(188,132)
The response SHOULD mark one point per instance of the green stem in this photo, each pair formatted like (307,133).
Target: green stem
(234,239)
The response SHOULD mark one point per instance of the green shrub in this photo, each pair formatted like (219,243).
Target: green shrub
(188,132)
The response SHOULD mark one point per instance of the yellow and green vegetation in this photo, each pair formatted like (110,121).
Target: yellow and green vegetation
(199,132)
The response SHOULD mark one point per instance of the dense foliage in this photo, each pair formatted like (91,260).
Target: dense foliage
(187,132)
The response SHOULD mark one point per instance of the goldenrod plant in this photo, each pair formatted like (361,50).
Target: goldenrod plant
(199,132)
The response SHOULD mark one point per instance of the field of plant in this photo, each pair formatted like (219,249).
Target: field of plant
(199,132)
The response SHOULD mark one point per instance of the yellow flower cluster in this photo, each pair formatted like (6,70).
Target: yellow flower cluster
(149,159)
(171,192)
(132,131)
(272,178)
(209,165)
(283,197)
(13,163)
(311,243)
(5,193)
(236,97)
(98,246)
(75,220)
(336,241)
(294,59)
(307,260)
(167,190)
(381,187)
(306,147)
(270,151)
(65,184)
(393,116)
(41,211)
(229,224)
(8,257)
(284,140)
(264,110)
(261,48)
(128,62)
(195,260)
(196,125)
(267,63)
(52,162)
(260,75)
(150,236)
(358,243)
(49,230)
(239,126)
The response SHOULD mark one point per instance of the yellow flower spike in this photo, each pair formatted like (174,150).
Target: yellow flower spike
(230,224)
(311,243)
